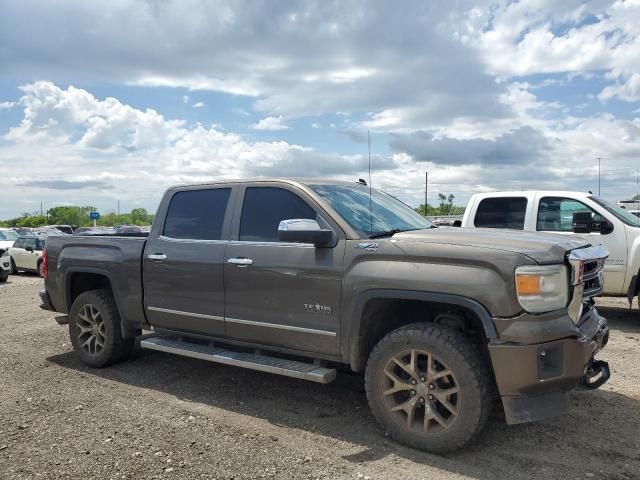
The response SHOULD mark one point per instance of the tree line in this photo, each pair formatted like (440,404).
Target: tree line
(79,217)
(446,207)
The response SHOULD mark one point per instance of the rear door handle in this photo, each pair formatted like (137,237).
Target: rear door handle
(157,256)
(241,262)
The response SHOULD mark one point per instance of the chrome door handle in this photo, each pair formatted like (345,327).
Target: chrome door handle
(241,262)
(157,256)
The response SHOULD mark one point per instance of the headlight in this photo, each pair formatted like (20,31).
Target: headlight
(542,288)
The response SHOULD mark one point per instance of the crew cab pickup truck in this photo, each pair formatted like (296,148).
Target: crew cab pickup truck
(298,277)
(573,214)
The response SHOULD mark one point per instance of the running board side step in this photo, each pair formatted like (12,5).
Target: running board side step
(253,361)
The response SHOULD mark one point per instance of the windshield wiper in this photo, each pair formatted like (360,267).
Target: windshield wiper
(393,231)
(385,233)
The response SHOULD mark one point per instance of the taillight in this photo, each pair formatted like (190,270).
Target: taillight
(44,268)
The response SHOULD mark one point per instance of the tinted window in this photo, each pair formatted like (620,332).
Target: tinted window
(30,242)
(502,212)
(265,207)
(197,214)
(555,214)
(18,243)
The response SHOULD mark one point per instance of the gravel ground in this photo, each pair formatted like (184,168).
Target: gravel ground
(162,416)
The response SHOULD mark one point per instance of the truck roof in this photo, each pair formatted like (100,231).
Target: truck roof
(520,193)
(290,180)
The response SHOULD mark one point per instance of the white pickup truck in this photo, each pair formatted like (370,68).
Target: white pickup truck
(568,213)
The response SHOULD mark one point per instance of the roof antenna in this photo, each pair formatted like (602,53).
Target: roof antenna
(370,214)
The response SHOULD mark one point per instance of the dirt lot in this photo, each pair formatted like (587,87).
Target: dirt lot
(161,416)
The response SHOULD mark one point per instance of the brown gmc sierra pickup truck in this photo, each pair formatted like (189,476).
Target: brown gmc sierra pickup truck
(297,277)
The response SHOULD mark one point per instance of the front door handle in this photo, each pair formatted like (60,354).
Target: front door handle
(157,256)
(240,261)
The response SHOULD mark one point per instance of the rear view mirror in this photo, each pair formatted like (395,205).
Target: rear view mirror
(303,230)
(582,222)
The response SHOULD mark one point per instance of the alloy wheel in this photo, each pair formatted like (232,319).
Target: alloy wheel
(91,330)
(420,391)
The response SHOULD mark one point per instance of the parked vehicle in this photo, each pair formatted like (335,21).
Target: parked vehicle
(94,230)
(7,237)
(5,266)
(68,229)
(572,214)
(294,277)
(629,204)
(26,254)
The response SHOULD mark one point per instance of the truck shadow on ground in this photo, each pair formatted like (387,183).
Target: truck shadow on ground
(601,433)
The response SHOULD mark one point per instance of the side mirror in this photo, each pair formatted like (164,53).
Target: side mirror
(29,249)
(606,227)
(582,222)
(303,230)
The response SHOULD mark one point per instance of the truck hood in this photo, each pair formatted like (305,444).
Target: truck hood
(541,247)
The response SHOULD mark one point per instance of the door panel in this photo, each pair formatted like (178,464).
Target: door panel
(30,259)
(185,290)
(183,262)
(289,296)
(276,293)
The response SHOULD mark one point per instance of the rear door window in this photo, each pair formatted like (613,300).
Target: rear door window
(265,207)
(501,212)
(197,214)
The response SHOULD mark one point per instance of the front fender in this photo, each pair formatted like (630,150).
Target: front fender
(355,354)
(478,279)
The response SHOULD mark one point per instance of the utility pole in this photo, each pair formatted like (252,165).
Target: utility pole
(599,159)
(118,207)
(41,212)
(426,191)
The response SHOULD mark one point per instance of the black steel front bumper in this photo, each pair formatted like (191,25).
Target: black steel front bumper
(534,378)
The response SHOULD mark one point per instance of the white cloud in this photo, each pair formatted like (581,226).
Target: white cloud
(331,57)
(545,36)
(270,123)
(96,151)
(7,105)
(198,105)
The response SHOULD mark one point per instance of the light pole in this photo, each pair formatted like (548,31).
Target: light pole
(426,191)
(599,159)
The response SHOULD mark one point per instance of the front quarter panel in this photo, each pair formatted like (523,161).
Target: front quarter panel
(482,275)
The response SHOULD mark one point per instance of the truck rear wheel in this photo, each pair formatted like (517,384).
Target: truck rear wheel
(429,387)
(94,328)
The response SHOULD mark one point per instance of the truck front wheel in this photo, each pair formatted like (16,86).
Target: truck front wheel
(94,328)
(429,387)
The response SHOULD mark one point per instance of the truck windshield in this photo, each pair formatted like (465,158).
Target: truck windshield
(387,213)
(620,213)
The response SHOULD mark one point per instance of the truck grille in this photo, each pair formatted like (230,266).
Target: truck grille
(587,279)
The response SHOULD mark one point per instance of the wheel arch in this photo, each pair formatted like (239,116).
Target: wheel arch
(366,328)
(84,279)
